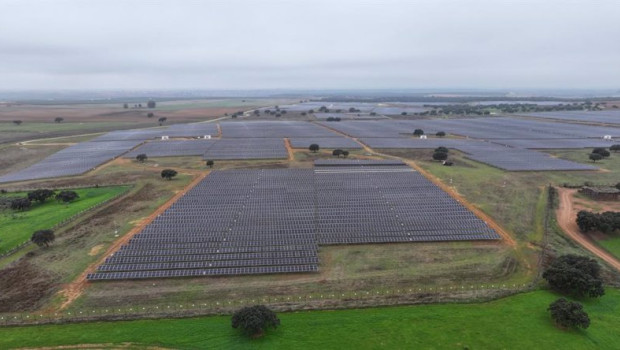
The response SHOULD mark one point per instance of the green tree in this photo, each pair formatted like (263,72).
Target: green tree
(17,122)
(337,153)
(150,115)
(40,195)
(569,314)
(142,157)
(21,204)
(314,148)
(125,106)
(254,320)
(58,120)
(442,149)
(586,221)
(615,148)
(418,132)
(210,163)
(151,104)
(168,174)
(595,156)
(67,196)
(440,156)
(575,275)
(440,134)
(602,151)
(162,120)
(345,153)
(43,238)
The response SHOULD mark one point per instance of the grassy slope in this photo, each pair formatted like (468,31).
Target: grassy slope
(517,322)
(17,227)
(611,244)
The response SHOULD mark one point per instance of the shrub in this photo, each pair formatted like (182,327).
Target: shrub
(575,275)
(254,320)
(569,314)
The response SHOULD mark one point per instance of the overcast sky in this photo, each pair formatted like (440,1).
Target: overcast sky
(309,44)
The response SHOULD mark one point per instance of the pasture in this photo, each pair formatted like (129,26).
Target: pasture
(17,227)
(520,320)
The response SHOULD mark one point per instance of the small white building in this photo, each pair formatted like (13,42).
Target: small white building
(423,137)
(165,138)
(207,137)
(607,138)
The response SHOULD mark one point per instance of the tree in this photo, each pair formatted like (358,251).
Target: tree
(314,148)
(58,119)
(440,156)
(337,152)
(345,153)
(20,204)
(150,115)
(403,113)
(441,149)
(600,150)
(575,275)
(125,106)
(67,196)
(615,148)
(569,314)
(40,195)
(17,122)
(418,132)
(162,120)
(43,238)
(210,163)
(142,157)
(595,156)
(440,134)
(254,320)
(168,174)
(586,221)
(150,104)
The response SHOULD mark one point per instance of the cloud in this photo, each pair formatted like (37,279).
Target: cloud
(308,44)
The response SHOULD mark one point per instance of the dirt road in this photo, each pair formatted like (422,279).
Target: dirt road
(566,216)
(74,289)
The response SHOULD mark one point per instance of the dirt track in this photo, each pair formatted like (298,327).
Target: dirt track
(566,216)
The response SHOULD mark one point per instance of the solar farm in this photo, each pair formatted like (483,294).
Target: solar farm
(241,222)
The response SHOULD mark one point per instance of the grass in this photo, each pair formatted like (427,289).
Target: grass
(612,244)
(516,322)
(19,226)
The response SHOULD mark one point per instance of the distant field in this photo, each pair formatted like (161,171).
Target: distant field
(17,227)
(38,127)
(517,322)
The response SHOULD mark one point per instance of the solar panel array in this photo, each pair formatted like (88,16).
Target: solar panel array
(172,148)
(248,148)
(605,117)
(73,160)
(372,205)
(349,116)
(324,142)
(270,221)
(554,143)
(274,129)
(233,222)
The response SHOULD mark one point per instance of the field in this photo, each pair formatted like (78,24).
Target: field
(520,321)
(19,226)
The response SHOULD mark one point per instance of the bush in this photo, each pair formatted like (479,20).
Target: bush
(67,196)
(142,157)
(254,320)
(440,156)
(575,275)
(43,238)
(440,134)
(418,132)
(595,156)
(569,314)
(606,222)
(600,150)
(20,204)
(168,174)
(441,149)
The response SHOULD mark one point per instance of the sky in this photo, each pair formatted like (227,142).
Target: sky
(306,44)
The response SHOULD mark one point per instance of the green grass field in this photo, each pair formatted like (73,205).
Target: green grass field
(611,244)
(517,322)
(17,227)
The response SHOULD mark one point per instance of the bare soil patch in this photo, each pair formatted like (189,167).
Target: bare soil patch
(23,286)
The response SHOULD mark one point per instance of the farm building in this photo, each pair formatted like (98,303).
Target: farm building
(601,193)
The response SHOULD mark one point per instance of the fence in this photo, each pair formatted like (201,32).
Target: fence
(315,301)
(69,219)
